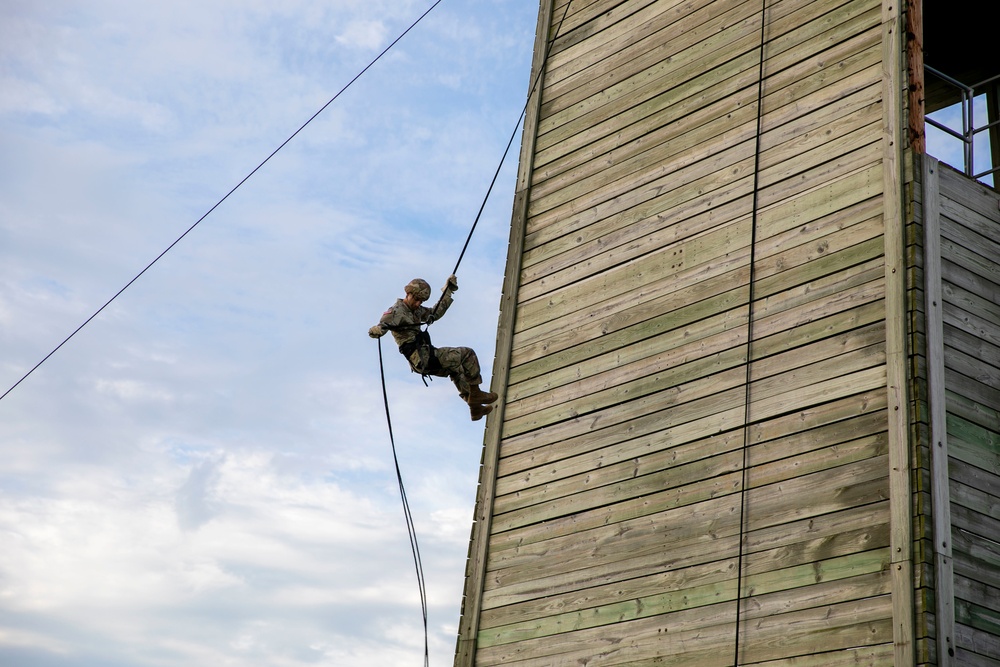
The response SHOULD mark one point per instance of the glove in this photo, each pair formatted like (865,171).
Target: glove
(376,331)
(451,285)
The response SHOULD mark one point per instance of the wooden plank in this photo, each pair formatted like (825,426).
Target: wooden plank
(709,54)
(629,534)
(613,553)
(711,86)
(959,276)
(627,41)
(796,308)
(537,448)
(900,492)
(976,558)
(578,20)
(977,617)
(974,204)
(595,469)
(824,536)
(656,34)
(855,575)
(874,656)
(684,558)
(691,139)
(977,648)
(559,498)
(629,383)
(701,356)
(811,232)
(774,504)
(973,444)
(970,657)
(819,146)
(969,412)
(619,591)
(974,523)
(838,260)
(782,210)
(715,50)
(701,627)
(562,498)
(702,252)
(943,571)
(971,222)
(857,528)
(784,565)
(985,399)
(974,488)
(967,309)
(723,185)
(850,231)
(657,392)
(609,534)
(722,279)
(620,448)
(969,269)
(973,368)
(854,73)
(703,337)
(975,347)
(845,625)
(979,594)
(805,330)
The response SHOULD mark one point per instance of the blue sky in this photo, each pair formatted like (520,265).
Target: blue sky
(949,149)
(203,474)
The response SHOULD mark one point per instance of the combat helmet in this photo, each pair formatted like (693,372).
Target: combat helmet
(419,288)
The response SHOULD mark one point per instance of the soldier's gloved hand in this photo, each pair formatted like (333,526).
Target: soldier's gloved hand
(451,285)
(376,331)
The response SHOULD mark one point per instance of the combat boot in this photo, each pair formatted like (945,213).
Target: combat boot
(479,411)
(479,397)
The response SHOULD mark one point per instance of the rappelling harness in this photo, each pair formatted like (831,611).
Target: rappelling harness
(426,364)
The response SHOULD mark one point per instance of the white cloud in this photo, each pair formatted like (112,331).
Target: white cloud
(366,35)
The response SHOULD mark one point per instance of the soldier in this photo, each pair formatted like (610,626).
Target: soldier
(460,364)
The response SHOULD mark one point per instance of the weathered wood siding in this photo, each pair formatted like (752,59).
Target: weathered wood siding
(960,436)
(701,455)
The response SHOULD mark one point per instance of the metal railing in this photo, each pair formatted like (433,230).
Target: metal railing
(969,130)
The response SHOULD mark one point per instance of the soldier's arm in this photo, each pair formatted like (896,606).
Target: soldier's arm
(441,307)
(386,323)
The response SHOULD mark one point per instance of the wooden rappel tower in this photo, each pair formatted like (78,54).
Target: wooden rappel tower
(749,346)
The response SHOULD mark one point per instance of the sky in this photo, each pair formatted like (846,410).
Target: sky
(950,149)
(203,473)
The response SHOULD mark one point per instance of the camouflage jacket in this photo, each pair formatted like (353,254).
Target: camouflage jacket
(404,323)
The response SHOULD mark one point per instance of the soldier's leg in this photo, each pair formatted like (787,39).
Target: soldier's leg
(462,367)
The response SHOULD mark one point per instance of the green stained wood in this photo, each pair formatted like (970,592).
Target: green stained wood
(708,593)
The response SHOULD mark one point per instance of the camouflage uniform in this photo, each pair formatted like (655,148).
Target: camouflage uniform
(458,363)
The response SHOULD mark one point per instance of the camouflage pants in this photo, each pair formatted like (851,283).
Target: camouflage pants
(460,364)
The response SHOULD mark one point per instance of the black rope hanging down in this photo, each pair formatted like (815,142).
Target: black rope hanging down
(749,346)
(218,203)
(410,529)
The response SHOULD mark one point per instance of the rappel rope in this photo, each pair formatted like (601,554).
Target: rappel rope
(414,547)
(744,479)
